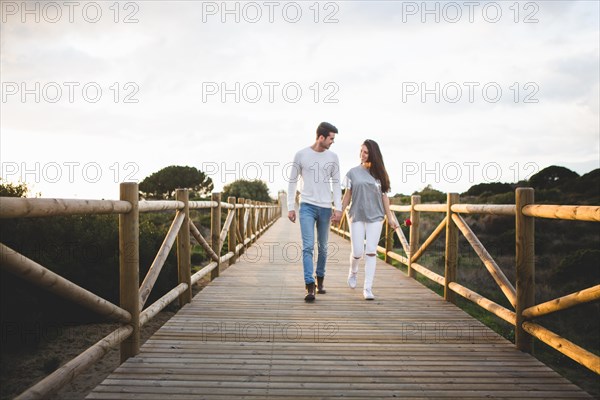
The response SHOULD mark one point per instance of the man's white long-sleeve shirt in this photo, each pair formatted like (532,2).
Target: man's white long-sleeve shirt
(319,173)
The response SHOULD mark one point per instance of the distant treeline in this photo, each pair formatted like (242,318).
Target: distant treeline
(554,184)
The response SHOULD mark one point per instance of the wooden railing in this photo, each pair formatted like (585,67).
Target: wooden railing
(246,220)
(521,296)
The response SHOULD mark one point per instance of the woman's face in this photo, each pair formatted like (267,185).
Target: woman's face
(364,154)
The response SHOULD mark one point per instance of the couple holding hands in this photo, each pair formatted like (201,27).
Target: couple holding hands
(366,187)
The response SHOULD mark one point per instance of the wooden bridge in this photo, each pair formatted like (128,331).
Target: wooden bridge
(249,334)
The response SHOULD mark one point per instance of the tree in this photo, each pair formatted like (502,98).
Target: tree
(162,184)
(552,177)
(254,190)
(492,188)
(13,190)
(431,195)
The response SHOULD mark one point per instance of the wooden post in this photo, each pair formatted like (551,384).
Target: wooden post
(451,248)
(231,235)
(525,264)
(389,241)
(129,267)
(250,220)
(259,224)
(413,232)
(184,254)
(255,219)
(215,231)
(240,220)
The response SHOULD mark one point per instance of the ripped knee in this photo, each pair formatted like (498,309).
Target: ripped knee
(371,254)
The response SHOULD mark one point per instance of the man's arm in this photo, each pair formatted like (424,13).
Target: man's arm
(337,191)
(292,183)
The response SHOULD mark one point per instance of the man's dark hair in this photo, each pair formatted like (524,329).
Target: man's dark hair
(325,128)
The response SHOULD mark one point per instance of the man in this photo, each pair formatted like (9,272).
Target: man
(319,169)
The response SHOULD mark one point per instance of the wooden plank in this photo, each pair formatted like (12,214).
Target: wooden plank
(576,213)
(17,207)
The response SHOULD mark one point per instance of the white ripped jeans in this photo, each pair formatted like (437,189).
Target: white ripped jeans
(365,237)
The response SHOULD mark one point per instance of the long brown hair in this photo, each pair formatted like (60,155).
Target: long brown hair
(377,168)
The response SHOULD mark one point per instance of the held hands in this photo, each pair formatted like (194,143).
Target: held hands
(336,217)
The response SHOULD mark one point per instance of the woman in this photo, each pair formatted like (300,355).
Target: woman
(366,187)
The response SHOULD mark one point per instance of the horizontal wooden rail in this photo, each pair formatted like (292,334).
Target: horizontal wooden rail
(341,232)
(429,274)
(431,207)
(398,208)
(67,372)
(577,213)
(37,274)
(159,205)
(227,205)
(159,305)
(197,205)
(207,269)
(398,257)
(417,267)
(17,207)
(563,303)
(227,256)
(490,209)
(568,348)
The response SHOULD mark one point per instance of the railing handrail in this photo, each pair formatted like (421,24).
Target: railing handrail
(522,298)
(22,207)
(130,313)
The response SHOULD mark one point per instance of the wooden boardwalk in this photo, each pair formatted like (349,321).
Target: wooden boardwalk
(249,334)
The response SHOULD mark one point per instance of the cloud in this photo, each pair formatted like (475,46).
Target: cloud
(197,82)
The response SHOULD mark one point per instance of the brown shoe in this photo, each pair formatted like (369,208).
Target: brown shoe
(320,288)
(310,293)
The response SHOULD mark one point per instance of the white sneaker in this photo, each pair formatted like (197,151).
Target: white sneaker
(352,280)
(368,294)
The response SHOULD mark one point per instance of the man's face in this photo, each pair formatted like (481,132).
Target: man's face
(326,142)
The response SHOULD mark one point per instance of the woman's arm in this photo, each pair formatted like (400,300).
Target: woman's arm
(390,214)
(346,199)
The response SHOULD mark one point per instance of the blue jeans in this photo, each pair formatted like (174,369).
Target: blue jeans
(311,215)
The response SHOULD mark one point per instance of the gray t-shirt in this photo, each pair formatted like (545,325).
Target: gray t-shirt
(366,205)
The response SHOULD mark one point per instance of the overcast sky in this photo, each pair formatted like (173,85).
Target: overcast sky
(455,93)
